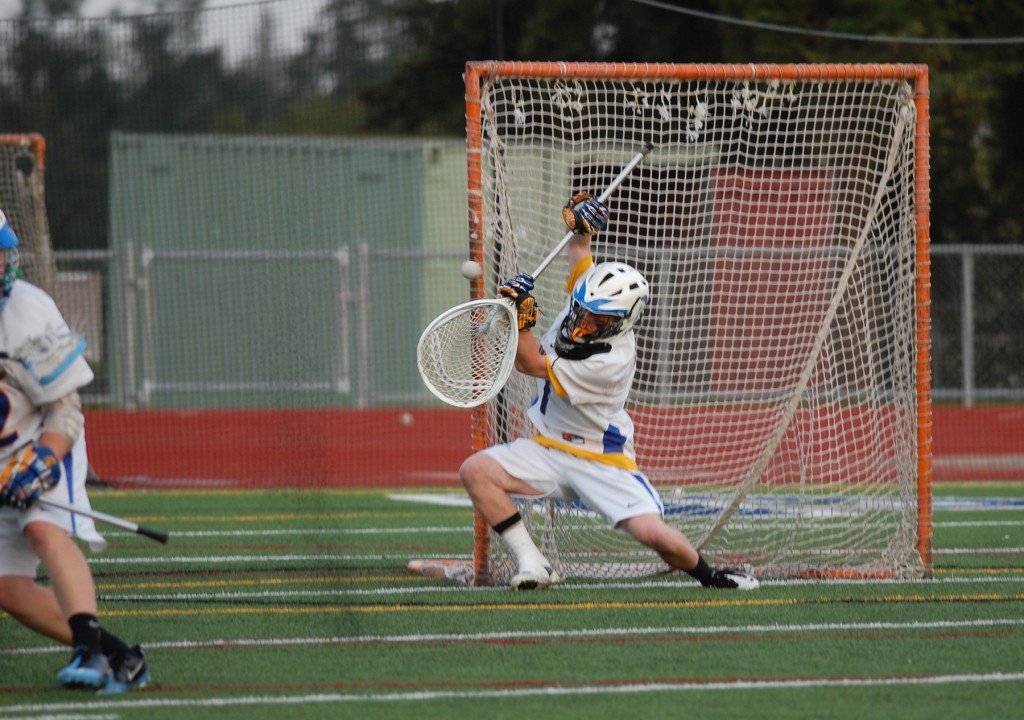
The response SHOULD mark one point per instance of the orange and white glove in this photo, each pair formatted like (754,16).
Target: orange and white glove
(584,215)
(518,289)
(28,475)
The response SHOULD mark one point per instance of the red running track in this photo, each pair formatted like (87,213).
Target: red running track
(404,448)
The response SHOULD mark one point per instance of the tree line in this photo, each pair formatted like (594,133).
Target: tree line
(394,67)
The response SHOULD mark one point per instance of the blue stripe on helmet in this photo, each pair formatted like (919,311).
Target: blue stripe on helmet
(596,306)
(8,239)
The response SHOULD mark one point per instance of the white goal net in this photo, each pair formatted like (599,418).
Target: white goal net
(782,395)
(23,200)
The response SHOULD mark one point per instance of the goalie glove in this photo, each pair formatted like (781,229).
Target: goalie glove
(584,215)
(28,475)
(526,313)
(517,289)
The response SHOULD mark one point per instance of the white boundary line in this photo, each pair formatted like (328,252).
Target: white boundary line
(551,634)
(461,529)
(385,555)
(452,587)
(313,532)
(546,691)
(284,557)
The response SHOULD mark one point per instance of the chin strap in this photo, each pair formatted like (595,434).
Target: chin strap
(570,350)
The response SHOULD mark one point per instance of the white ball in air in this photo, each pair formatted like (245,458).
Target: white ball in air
(471,270)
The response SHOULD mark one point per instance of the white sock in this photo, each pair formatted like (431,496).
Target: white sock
(521,545)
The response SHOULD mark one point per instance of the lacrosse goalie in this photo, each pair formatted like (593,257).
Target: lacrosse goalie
(583,451)
(42,450)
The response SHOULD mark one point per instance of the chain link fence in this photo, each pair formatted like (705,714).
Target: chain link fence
(977,324)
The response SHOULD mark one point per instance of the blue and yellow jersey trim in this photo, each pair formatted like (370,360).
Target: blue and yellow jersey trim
(619,460)
(555,385)
(574,275)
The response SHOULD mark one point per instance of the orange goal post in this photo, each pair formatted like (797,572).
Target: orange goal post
(782,397)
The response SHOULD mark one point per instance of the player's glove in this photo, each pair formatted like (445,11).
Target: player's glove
(28,475)
(518,290)
(584,215)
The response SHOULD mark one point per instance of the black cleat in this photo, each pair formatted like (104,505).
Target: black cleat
(733,580)
(130,671)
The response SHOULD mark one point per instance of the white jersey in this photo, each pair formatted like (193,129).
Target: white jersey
(32,330)
(580,406)
(30,314)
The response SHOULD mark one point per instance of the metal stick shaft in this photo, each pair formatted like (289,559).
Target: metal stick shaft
(157,535)
(648,146)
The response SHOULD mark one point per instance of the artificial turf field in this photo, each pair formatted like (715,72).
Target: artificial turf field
(298,604)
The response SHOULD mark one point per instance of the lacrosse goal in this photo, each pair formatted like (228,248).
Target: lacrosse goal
(23,200)
(782,395)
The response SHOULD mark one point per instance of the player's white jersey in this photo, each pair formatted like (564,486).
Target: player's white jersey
(32,323)
(580,406)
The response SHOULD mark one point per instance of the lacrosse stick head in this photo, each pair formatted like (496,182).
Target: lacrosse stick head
(466,355)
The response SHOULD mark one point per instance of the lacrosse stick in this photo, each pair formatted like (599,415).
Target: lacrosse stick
(466,354)
(157,535)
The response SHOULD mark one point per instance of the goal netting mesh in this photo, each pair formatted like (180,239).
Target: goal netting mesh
(23,200)
(781,395)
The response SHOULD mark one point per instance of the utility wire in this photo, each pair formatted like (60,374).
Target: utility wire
(833,35)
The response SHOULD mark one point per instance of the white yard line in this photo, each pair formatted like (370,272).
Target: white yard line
(598,632)
(453,587)
(321,531)
(284,557)
(512,693)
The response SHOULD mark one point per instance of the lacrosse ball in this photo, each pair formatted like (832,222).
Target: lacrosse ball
(471,270)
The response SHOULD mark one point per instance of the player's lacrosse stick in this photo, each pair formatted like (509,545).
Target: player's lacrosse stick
(157,535)
(466,354)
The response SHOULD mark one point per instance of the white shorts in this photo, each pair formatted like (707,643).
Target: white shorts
(615,493)
(16,555)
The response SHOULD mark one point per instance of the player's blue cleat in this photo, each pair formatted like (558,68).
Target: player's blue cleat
(130,671)
(87,669)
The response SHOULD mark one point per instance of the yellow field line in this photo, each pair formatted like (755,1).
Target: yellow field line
(549,606)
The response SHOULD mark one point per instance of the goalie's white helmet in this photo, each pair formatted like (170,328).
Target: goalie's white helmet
(612,290)
(9,247)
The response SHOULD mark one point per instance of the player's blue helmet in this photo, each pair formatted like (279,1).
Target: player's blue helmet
(9,246)
(611,289)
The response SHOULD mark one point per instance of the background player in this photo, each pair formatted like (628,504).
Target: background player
(584,366)
(42,449)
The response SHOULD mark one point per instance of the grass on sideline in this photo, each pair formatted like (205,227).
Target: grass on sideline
(271,604)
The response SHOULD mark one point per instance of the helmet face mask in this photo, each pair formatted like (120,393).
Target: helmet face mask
(583,325)
(606,302)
